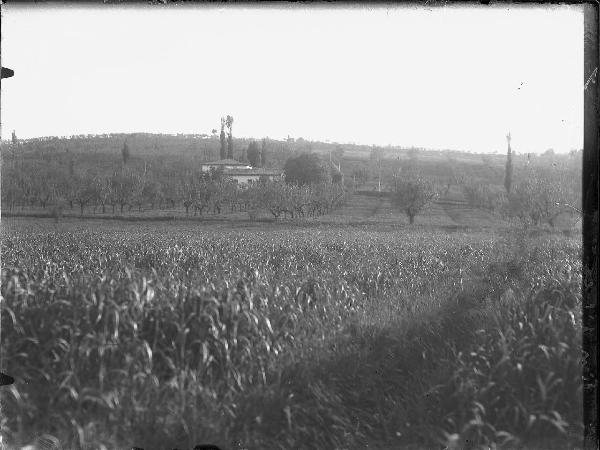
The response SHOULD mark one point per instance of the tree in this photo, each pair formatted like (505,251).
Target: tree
(14,146)
(542,197)
(274,198)
(375,158)
(336,175)
(360,176)
(11,192)
(169,191)
(85,191)
(509,167)
(45,182)
(188,191)
(137,194)
(305,169)
(413,195)
(479,194)
(151,192)
(125,153)
(123,187)
(102,190)
(67,187)
(223,153)
(263,152)
(338,153)
(253,154)
(229,123)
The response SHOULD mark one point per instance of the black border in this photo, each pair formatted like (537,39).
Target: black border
(590,192)
(590,226)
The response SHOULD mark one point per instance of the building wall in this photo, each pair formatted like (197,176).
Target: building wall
(207,167)
(253,178)
(245,178)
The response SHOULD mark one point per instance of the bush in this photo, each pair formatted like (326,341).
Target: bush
(306,169)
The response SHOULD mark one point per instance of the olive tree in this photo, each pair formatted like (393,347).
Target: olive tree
(413,195)
(541,199)
(84,192)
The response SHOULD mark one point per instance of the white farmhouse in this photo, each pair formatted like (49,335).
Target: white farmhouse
(225,164)
(245,176)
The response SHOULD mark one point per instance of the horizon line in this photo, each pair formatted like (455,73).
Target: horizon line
(327,142)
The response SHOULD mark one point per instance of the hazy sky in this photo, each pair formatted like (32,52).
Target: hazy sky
(449,77)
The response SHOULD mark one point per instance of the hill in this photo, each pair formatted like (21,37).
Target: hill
(103,152)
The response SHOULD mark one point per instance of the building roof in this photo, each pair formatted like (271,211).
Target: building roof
(253,172)
(224,162)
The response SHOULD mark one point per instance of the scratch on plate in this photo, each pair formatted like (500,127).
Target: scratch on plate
(593,75)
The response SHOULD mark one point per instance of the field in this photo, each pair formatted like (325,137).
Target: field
(311,335)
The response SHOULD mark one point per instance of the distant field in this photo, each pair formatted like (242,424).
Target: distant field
(449,211)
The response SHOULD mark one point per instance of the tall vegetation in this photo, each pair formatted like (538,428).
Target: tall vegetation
(375,161)
(14,145)
(223,148)
(127,187)
(229,123)
(541,197)
(481,195)
(125,153)
(263,152)
(172,337)
(508,173)
(294,200)
(253,154)
(306,168)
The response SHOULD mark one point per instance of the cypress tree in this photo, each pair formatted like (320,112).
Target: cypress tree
(229,123)
(509,168)
(125,153)
(263,153)
(223,153)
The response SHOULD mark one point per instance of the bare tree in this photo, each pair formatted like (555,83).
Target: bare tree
(85,191)
(102,191)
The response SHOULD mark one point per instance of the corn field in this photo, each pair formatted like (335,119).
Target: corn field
(170,336)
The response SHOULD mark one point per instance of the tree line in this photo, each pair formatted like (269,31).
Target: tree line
(58,188)
(536,193)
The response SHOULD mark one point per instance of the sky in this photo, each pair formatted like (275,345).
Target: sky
(439,78)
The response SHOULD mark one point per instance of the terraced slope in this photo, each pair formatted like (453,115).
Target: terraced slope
(452,209)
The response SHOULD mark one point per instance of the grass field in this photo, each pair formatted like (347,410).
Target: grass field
(310,335)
